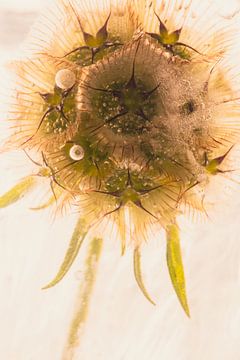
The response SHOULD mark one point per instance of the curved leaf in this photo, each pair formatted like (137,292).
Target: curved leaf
(17,192)
(138,274)
(78,236)
(175,265)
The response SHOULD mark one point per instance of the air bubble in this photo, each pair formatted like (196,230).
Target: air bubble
(65,79)
(76,152)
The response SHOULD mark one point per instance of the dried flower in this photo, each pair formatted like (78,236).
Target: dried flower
(131,109)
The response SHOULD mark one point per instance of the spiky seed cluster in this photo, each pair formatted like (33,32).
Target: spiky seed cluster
(125,116)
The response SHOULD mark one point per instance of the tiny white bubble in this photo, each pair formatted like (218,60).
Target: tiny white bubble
(76,152)
(65,79)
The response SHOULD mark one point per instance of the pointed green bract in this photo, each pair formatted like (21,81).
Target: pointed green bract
(162,28)
(78,236)
(165,37)
(138,274)
(170,39)
(18,191)
(102,34)
(175,265)
(212,165)
(99,39)
(90,40)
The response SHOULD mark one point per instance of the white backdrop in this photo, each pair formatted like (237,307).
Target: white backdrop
(122,325)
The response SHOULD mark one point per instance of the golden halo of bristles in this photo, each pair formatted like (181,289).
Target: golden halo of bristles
(143,180)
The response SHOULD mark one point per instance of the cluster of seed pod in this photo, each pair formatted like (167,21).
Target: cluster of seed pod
(126,112)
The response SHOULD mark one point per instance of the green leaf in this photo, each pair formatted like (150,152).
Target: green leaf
(18,191)
(76,241)
(138,274)
(175,265)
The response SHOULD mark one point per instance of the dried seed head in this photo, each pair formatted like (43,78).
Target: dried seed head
(144,126)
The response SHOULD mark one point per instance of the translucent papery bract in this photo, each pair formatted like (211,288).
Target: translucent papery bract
(224,92)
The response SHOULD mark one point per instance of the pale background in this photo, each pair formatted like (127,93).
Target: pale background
(122,325)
